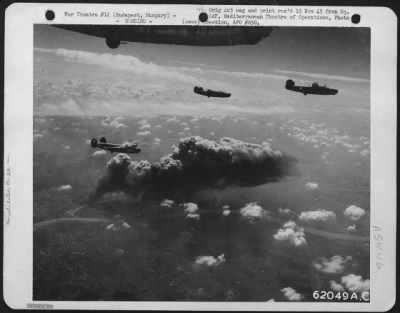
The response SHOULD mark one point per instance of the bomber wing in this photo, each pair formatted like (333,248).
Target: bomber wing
(173,35)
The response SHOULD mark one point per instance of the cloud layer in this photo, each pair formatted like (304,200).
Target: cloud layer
(324,76)
(123,63)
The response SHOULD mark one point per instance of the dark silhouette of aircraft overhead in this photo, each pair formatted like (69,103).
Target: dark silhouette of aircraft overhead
(315,89)
(114,147)
(211,93)
(173,35)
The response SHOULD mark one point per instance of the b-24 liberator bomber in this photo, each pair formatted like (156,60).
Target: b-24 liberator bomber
(114,147)
(211,93)
(314,89)
(114,35)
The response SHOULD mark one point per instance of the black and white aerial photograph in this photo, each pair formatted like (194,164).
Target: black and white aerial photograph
(200,163)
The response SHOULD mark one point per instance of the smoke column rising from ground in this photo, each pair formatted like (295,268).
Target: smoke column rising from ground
(196,164)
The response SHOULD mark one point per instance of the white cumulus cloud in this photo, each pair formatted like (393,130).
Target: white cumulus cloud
(190,207)
(286,212)
(317,216)
(166,203)
(192,216)
(352,228)
(109,122)
(312,186)
(333,265)
(354,212)
(336,286)
(355,283)
(144,133)
(252,211)
(210,260)
(291,233)
(99,153)
(172,120)
(37,136)
(64,188)
(226,210)
(291,294)
(145,126)
(351,282)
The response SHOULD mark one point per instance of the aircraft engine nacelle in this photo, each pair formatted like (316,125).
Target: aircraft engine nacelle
(133,149)
(113,43)
(289,83)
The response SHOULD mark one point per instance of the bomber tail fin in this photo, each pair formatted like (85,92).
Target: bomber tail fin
(93,143)
(289,84)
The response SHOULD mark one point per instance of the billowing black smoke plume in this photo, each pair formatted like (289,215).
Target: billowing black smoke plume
(195,164)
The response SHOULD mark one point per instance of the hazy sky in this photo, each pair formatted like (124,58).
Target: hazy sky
(79,74)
